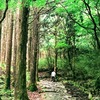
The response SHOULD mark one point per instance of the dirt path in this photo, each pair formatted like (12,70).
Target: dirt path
(54,91)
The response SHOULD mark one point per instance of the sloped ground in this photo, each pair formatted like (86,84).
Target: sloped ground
(34,95)
(76,92)
(48,90)
(57,91)
(54,91)
(60,91)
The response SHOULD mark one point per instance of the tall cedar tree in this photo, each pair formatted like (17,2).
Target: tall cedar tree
(35,51)
(20,86)
(8,49)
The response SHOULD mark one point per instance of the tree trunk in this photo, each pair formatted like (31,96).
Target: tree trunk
(94,23)
(29,48)
(70,40)
(56,53)
(35,51)
(14,47)
(20,86)
(0,35)
(37,59)
(0,43)
(3,40)
(8,51)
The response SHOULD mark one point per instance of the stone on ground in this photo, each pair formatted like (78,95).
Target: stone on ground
(54,91)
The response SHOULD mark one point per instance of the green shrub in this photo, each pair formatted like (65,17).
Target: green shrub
(32,87)
(42,64)
(88,65)
(97,83)
(62,64)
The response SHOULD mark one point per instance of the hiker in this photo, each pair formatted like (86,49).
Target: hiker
(53,74)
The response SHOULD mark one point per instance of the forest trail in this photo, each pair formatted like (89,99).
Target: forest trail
(54,91)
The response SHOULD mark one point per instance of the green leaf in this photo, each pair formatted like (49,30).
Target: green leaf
(2,4)
(61,45)
(39,3)
(60,10)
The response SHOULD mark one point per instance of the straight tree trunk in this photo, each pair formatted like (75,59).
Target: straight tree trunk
(37,59)
(30,42)
(70,40)
(0,35)
(0,43)
(35,51)
(20,86)
(14,47)
(29,48)
(3,40)
(56,53)
(8,51)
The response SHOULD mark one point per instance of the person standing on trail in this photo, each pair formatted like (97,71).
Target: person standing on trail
(53,74)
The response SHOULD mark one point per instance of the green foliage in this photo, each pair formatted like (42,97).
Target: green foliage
(97,83)
(32,87)
(13,4)
(60,10)
(6,94)
(62,64)
(28,76)
(61,45)
(89,63)
(2,65)
(2,4)
(39,3)
(42,64)
(50,61)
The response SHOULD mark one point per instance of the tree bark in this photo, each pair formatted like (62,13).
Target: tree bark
(9,50)
(4,13)
(3,40)
(0,43)
(56,53)
(20,86)
(29,48)
(94,23)
(14,47)
(35,50)
(70,40)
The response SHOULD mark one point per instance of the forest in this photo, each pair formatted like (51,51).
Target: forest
(39,36)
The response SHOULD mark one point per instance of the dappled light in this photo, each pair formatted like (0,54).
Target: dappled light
(49,49)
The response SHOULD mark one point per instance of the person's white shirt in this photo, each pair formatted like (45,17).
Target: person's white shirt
(53,74)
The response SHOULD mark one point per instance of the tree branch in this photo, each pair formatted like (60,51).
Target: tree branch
(75,20)
(4,13)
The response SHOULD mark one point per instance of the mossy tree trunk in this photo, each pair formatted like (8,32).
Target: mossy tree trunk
(35,51)
(70,40)
(3,39)
(20,86)
(0,43)
(9,49)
